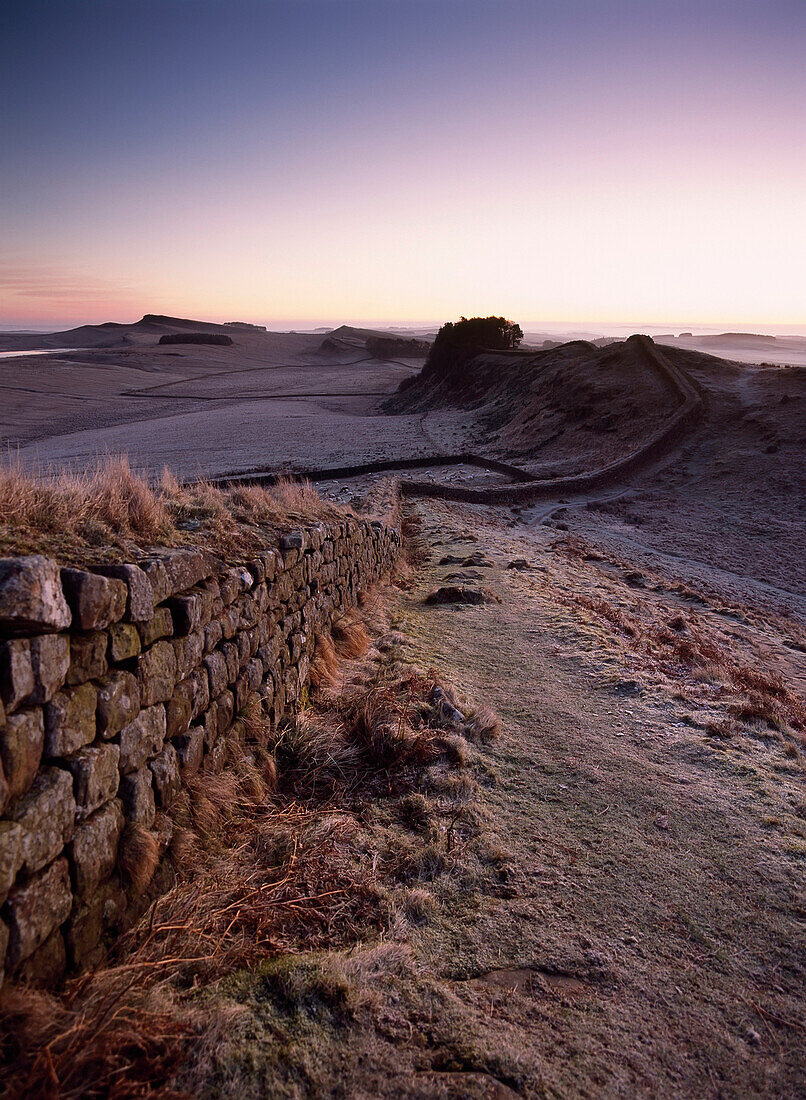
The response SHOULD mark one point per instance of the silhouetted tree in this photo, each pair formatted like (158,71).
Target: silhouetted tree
(479,332)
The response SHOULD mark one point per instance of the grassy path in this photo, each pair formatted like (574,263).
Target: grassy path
(649,937)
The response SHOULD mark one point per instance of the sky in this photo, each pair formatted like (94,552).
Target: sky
(306,162)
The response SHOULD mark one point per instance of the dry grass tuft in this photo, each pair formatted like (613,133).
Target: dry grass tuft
(324,672)
(111,509)
(419,907)
(350,636)
(138,855)
(483,725)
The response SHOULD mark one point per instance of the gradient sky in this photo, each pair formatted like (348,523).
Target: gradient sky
(314,161)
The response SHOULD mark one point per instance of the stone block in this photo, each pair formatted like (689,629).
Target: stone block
(142,739)
(21,744)
(46,966)
(95,601)
(217,672)
(91,918)
(3,949)
(258,570)
(269,559)
(190,750)
(95,777)
(137,796)
(165,776)
(16,672)
(46,815)
(156,674)
(31,596)
(70,720)
(140,595)
(254,674)
(181,569)
(179,708)
(188,651)
(94,849)
(160,625)
(244,645)
(87,656)
(248,608)
(229,620)
(216,759)
(201,691)
(225,711)
(186,612)
(50,657)
(157,577)
(118,702)
(124,642)
(229,652)
(35,908)
(240,691)
(11,857)
(231,585)
(212,635)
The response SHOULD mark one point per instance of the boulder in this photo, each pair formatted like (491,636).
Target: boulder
(35,908)
(31,596)
(95,601)
(46,815)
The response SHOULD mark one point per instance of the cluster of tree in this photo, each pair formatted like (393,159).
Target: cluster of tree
(479,332)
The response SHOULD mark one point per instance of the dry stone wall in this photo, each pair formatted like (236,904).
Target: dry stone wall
(120,681)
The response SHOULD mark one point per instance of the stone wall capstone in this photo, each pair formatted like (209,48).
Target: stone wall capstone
(118,682)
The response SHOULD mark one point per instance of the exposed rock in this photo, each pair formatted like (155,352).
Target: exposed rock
(451,594)
(21,744)
(50,657)
(93,851)
(87,658)
(95,777)
(31,596)
(47,817)
(140,595)
(70,720)
(34,909)
(95,601)
(186,612)
(142,739)
(118,702)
